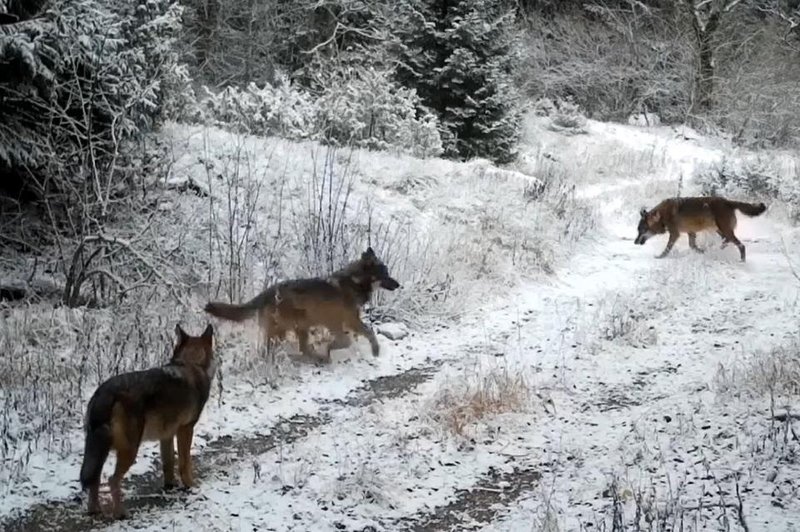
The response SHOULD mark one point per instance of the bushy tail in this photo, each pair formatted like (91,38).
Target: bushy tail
(98,439)
(241,312)
(750,209)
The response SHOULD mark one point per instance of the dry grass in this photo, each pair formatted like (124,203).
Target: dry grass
(462,404)
(773,374)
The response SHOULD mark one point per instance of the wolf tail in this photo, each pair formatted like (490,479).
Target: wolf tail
(226,311)
(750,209)
(98,439)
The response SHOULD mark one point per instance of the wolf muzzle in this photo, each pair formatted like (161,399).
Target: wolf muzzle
(389,284)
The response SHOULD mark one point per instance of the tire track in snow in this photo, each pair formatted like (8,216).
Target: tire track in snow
(478,504)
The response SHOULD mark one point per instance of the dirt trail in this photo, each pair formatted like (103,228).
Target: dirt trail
(477,505)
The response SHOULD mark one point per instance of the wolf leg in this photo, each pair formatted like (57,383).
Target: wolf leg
(126,456)
(305,348)
(673,237)
(359,327)
(168,462)
(185,434)
(94,499)
(693,242)
(724,240)
(730,237)
(341,340)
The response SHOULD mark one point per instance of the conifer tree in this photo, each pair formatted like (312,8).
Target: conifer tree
(458,55)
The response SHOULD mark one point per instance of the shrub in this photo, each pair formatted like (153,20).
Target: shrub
(568,117)
(282,110)
(85,78)
(373,111)
(365,108)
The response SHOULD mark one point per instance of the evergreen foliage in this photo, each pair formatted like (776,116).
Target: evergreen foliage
(458,55)
(82,79)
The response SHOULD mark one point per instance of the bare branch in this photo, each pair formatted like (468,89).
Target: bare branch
(75,280)
(731,5)
(740,508)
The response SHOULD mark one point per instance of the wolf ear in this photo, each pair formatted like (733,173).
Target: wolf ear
(368,254)
(643,212)
(180,333)
(209,332)
(656,216)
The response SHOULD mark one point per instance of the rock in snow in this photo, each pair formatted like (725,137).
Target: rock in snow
(393,331)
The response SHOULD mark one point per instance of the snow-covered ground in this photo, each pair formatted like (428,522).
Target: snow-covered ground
(650,386)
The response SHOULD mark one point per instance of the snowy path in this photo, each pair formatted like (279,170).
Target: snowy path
(627,348)
(382,466)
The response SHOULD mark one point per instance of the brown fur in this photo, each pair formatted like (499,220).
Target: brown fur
(692,215)
(298,305)
(157,404)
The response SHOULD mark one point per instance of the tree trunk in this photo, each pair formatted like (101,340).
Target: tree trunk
(208,14)
(704,77)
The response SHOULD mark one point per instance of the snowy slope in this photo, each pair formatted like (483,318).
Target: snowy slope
(645,378)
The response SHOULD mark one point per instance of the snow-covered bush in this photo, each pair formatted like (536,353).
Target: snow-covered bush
(151,29)
(733,175)
(83,78)
(585,53)
(364,108)
(544,107)
(282,110)
(370,110)
(774,175)
(774,373)
(568,117)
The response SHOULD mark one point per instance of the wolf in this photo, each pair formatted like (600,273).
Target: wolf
(692,215)
(156,404)
(299,304)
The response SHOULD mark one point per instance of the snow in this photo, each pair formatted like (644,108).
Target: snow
(393,330)
(637,367)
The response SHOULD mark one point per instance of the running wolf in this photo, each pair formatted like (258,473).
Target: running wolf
(149,405)
(300,304)
(692,215)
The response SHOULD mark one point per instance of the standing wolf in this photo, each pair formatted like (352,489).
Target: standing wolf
(692,215)
(300,304)
(154,404)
